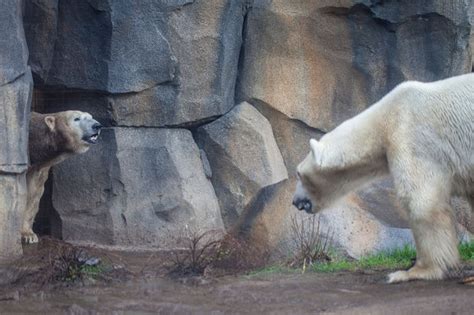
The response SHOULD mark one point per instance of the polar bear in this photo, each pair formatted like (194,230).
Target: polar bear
(52,139)
(423,135)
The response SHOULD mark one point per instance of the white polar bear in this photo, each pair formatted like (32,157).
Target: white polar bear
(423,135)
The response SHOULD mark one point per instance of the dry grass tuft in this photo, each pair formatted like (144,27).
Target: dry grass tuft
(53,262)
(310,246)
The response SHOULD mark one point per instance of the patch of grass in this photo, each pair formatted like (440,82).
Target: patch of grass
(467,251)
(401,258)
(93,272)
(335,266)
(397,259)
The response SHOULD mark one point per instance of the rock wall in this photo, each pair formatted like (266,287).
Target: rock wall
(210,105)
(16,84)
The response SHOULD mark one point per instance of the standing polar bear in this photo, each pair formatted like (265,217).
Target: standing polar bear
(52,139)
(423,135)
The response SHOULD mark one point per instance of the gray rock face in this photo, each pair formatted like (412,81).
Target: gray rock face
(163,62)
(322,62)
(12,205)
(364,222)
(13,49)
(244,158)
(305,65)
(15,99)
(98,45)
(138,187)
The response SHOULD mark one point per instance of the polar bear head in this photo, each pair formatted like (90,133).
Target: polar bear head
(315,188)
(78,130)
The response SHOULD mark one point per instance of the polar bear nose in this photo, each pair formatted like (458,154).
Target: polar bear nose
(97,126)
(303,204)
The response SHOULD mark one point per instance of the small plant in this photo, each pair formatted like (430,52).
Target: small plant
(69,263)
(309,243)
(56,262)
(239,253)
(198,252)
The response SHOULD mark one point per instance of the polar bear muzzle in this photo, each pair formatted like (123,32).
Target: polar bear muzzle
(301,199)
(92,132)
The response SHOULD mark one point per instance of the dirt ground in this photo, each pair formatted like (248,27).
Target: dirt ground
(148,291)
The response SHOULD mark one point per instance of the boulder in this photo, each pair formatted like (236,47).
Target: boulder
(322,62)
(364,222)
(244,159)
(137,187)
(160,63)
(15,99)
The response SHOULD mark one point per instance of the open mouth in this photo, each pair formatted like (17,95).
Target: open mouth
(92,139)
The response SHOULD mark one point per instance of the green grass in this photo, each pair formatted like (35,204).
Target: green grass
(397,259)
(467,251)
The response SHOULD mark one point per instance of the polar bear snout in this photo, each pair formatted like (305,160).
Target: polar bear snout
(303,204)
(96,126)
(92,131)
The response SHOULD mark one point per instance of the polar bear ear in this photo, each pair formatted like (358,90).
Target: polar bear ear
(50,122)
(316,147)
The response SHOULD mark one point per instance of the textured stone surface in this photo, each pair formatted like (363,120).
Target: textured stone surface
(138,187)
(244,158)
(164,62)
(98,45)
(13,49)
(355,230)
(305,65)
(15,99)
(12,205)
(324,61)
(364,222)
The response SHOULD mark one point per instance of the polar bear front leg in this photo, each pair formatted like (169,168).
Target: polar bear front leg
(436,248)
(28,236)
(426,191)
(32,206)
(35,180)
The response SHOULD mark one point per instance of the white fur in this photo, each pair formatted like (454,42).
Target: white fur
(423,135)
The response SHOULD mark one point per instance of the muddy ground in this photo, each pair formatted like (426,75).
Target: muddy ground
(146,290)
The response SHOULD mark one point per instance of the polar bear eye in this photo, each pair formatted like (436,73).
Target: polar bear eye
(77,119)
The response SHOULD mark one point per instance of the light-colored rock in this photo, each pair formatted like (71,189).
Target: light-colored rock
(12,205)
(363,223)
(15,100)
(244,158)
(322,62)
(138,187)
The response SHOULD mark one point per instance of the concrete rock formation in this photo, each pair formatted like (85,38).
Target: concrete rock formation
(244,159)
(156,63)
(138,187)
(251,80)
(15,99)
(322,62)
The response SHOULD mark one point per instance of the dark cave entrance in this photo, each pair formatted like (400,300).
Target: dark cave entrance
(47,221)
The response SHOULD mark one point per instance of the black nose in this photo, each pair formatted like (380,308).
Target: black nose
(303,204)
(96,126)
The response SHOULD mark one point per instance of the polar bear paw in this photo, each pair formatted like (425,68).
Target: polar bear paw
(416,273)
(398,276)
(29,238)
